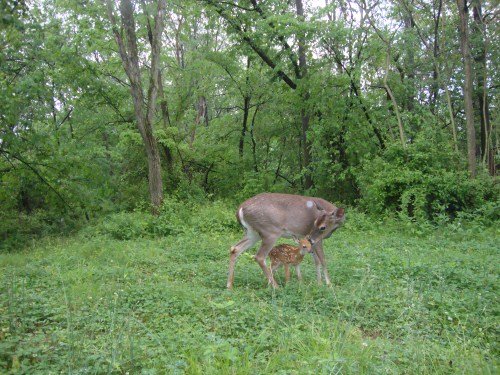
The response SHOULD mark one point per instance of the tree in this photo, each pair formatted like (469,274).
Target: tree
(304,114)
(478,36)
(463,12)
(144,113)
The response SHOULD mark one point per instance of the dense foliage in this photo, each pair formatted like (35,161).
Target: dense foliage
(358,102)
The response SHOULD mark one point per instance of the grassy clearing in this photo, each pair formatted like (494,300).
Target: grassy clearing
(400,303)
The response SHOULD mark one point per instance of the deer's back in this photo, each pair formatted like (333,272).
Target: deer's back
(287,212)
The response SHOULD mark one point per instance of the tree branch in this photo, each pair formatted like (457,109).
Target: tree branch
(30,167)
(259,51)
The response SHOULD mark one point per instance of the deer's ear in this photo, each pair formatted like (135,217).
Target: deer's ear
(339,213)
(295,239)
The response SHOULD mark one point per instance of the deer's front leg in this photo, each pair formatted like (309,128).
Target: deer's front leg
(317,263)
(321,257)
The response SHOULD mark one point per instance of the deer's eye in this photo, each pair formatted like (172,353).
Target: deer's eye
(322,228)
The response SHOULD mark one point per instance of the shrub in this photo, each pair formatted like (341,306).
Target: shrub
(17,229)
(180,217)
(423,181)
(175,217)
(126,225)
(215,217)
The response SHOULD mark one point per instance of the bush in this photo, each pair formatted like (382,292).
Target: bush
(175,217)
(181,217)
(126,225)
(215,217)
(17,229)
(424,181)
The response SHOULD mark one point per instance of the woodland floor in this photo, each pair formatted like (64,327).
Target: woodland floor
(400,303)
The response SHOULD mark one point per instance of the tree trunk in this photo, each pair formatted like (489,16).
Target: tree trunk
(409,25)
(201,114)
(166,123)
(435,56)
(144,113)
(246,109)
(468,88)
(481,94)
(305,117)
(393,99)
(254,144)
(446,89)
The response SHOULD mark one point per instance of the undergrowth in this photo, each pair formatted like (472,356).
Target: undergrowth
(104,301)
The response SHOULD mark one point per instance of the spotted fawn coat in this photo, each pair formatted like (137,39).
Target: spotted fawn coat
(287,255)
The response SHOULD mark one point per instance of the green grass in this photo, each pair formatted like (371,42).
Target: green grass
(400,304)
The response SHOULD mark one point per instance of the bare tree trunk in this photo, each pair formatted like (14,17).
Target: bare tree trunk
(166,123)
(435,56)
(393,99)
(468,88)
(447,91)
(409,25)
(305,117)
(254,144)
(246,110)
(201,114)
(144,113)
(483,109)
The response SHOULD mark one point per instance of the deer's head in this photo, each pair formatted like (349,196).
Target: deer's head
(325,224)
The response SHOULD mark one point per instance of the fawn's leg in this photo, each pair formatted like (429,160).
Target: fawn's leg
(274,266)
(287,273)
(297,271)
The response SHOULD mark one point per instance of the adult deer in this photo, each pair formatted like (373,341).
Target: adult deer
(269,216)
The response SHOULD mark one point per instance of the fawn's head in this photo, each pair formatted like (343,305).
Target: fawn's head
(304,245)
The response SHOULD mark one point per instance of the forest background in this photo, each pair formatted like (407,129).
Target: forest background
(131,130)
(387,106)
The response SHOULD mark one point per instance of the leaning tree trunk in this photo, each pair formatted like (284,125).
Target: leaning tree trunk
(144,113)
(468,88)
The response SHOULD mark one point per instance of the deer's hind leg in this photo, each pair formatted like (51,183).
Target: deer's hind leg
(251,237)
(260,257)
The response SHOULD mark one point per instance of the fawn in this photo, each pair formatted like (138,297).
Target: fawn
(285,255)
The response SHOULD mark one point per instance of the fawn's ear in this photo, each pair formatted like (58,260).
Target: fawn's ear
(295,239)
